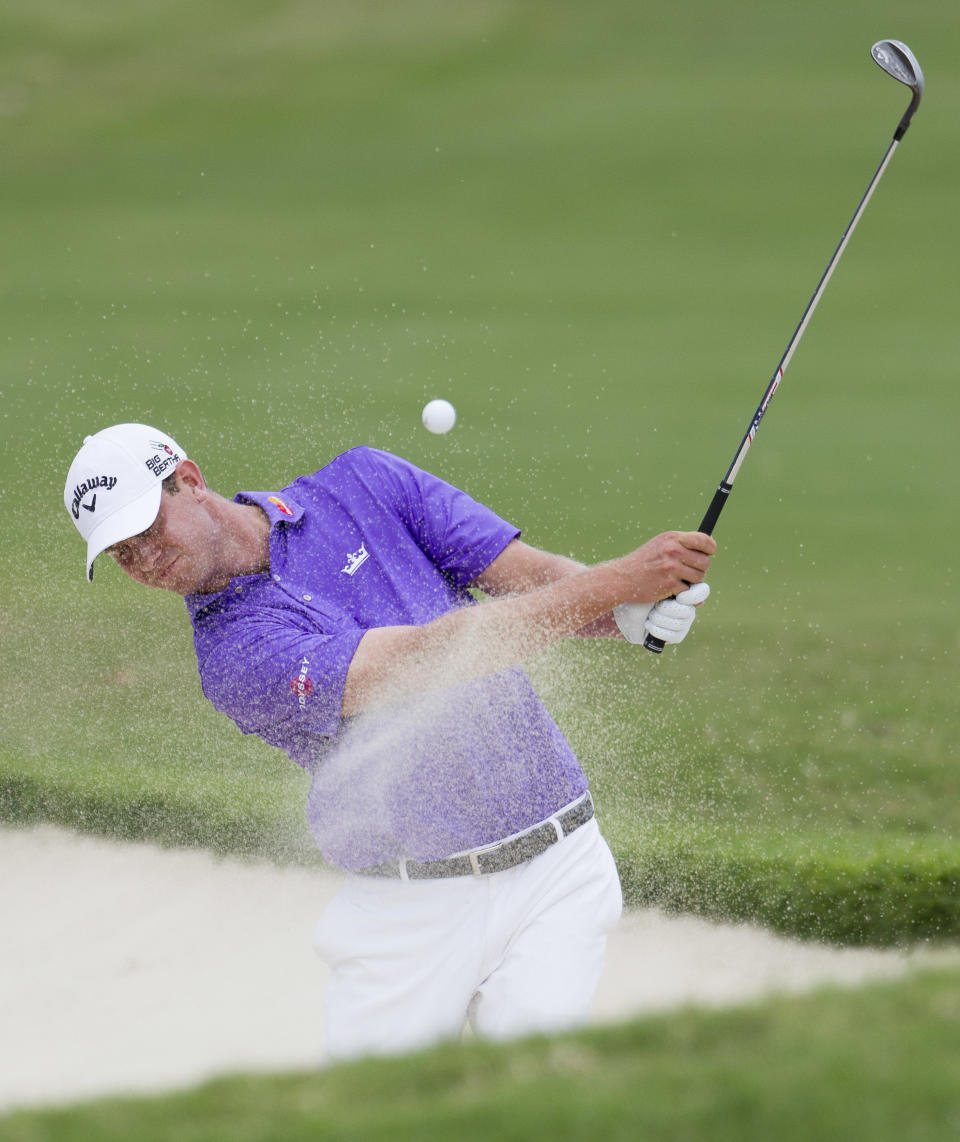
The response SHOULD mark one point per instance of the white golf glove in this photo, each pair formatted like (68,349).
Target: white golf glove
(669,620)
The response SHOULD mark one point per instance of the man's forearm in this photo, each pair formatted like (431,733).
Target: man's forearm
(521,568)
(394,663)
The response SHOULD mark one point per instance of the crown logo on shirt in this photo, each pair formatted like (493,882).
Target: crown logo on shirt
(355,561)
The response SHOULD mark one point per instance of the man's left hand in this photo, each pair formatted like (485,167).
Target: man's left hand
(668,620)
(671,619)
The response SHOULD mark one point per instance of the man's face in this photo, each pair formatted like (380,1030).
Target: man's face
(178,551)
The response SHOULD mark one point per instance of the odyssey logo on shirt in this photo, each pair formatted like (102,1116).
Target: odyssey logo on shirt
(302,685)
(355,561)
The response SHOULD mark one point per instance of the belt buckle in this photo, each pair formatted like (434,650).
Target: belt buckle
(556,822)
(474,855)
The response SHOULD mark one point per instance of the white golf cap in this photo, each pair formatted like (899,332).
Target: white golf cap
(113,487)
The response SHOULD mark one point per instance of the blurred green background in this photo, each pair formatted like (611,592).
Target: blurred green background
(277,229)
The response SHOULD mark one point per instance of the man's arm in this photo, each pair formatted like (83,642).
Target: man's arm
(394,663)
(519,568)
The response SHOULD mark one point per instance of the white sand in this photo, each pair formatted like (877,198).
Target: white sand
(130,968)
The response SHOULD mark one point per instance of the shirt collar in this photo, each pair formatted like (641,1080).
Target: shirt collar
(279,509)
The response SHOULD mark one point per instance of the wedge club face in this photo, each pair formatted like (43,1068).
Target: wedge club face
(898,60)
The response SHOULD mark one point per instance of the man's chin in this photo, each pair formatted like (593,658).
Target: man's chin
(177,579)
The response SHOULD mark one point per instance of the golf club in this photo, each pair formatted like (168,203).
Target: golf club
(897,60)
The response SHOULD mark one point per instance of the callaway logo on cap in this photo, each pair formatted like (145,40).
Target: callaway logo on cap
(114,484)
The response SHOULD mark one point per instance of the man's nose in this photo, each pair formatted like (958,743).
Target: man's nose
(147,552)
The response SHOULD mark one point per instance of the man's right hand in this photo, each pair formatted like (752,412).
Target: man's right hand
(665,566)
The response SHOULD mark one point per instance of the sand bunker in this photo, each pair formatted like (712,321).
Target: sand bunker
(131,968)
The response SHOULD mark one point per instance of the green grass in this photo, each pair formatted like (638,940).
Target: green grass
(878,1063)
(278,230)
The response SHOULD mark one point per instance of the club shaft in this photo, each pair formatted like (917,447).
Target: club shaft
(722,494)
(801,328)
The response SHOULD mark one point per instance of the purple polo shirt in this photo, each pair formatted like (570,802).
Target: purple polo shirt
(370,540)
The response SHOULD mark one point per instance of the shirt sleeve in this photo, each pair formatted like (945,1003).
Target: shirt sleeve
(461,536)
(277,673)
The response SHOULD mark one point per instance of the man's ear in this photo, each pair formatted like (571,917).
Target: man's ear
(190,479)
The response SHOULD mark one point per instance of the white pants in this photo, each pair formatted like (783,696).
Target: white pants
(516,952)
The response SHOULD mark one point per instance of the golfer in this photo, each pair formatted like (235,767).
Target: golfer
(338,618)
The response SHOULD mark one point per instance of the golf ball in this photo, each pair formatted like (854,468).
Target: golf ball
(439,416)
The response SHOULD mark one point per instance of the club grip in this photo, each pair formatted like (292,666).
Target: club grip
(707,524)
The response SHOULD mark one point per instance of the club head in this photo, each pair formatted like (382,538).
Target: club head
(898,60)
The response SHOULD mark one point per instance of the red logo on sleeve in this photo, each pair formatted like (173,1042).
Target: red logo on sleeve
(302,685)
